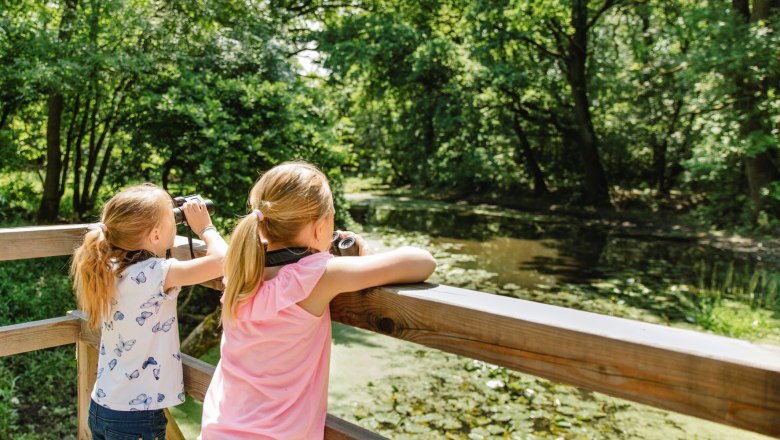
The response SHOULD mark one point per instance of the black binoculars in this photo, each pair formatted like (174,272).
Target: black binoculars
(343,247)
(178,202)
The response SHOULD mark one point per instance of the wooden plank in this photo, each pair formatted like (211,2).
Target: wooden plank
(172,431)
(711,377)
(340,429)
(40,241)
(37,335)
(197,376)
(87,358)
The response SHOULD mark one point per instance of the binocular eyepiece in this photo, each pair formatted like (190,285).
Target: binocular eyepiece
(178,202)
(343,247)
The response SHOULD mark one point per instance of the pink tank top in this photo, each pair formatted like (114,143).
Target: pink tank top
(272,379)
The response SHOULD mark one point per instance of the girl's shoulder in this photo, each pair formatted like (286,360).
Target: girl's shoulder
(144,275)
(307,266)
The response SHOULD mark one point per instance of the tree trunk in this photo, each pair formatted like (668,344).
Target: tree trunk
(760,168)
(596,188)
(50,202)
(540,188)
(205,336)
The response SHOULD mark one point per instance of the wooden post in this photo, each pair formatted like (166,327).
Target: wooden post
(87,358)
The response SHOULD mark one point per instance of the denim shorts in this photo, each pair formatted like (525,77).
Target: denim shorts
(107,424)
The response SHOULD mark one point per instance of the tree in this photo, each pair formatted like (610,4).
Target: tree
(751,93)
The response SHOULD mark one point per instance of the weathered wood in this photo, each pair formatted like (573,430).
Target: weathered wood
(37,335)
(40,241)
(87,359)
(197,376)
(172,431)
(339,429)
(716,378)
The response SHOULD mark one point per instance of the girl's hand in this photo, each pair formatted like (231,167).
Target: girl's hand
(360,242)
(197,216)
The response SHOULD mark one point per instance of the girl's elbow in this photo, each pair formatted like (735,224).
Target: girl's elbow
(424,262)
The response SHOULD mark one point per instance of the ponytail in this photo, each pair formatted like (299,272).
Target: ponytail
(126,219)
(283,201)
(93,276)
(244,265)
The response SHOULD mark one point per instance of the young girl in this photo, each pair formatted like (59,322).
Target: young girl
(272,379)
(125,286)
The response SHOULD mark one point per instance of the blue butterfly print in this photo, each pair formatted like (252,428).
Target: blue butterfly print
(133,375)
(100,393)
(142,399)
(156,373)
(154,301)
(149,361)
(153,265)
(165,326)
(140,278)
(141,320)
(160,397)
(123,346)
(118,316)
(102,348)
(181,397)
(112,364)
(177,355)
(100,372)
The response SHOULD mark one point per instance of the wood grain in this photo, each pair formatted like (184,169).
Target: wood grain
(37,335)
(716,378)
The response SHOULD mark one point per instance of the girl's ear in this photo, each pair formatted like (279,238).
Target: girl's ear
(319,228)
(155,236)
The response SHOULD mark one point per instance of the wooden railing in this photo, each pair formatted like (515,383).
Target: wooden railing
(725,380)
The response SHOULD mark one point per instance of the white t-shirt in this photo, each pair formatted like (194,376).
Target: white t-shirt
(139,366)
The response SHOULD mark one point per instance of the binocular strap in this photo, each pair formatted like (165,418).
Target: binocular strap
(280,257)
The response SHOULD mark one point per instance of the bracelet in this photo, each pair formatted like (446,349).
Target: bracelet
(206,229)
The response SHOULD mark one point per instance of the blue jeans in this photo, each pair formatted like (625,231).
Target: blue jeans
(107,424)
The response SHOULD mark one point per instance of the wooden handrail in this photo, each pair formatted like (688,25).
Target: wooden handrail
(712,377)
(37,335)
(726,380)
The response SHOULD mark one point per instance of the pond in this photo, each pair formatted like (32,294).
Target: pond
(587,264)
(403,390)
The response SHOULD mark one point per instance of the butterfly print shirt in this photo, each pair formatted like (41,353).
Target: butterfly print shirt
(139,365)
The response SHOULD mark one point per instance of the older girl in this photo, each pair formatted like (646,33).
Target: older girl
(272,379)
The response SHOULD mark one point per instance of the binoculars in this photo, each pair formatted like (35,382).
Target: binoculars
(343,247)
(181,200)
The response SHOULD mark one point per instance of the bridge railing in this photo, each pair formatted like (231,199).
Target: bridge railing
(725,380)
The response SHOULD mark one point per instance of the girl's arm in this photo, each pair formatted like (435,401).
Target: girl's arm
(349,274)
(208,267)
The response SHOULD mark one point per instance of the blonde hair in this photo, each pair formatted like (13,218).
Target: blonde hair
(290,196)
(128,217)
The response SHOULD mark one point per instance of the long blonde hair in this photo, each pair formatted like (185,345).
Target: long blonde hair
(290,196)
(128,217)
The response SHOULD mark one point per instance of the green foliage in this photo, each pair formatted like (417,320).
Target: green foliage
(34,290)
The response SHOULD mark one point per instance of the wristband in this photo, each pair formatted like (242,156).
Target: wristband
(206,229)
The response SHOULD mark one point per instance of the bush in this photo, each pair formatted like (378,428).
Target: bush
(37,389)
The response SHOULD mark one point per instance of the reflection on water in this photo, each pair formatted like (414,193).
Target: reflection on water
(534,251)
(527,263)
(528,249)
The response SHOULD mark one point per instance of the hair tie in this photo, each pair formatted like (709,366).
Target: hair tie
(101,226)
(259,214)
